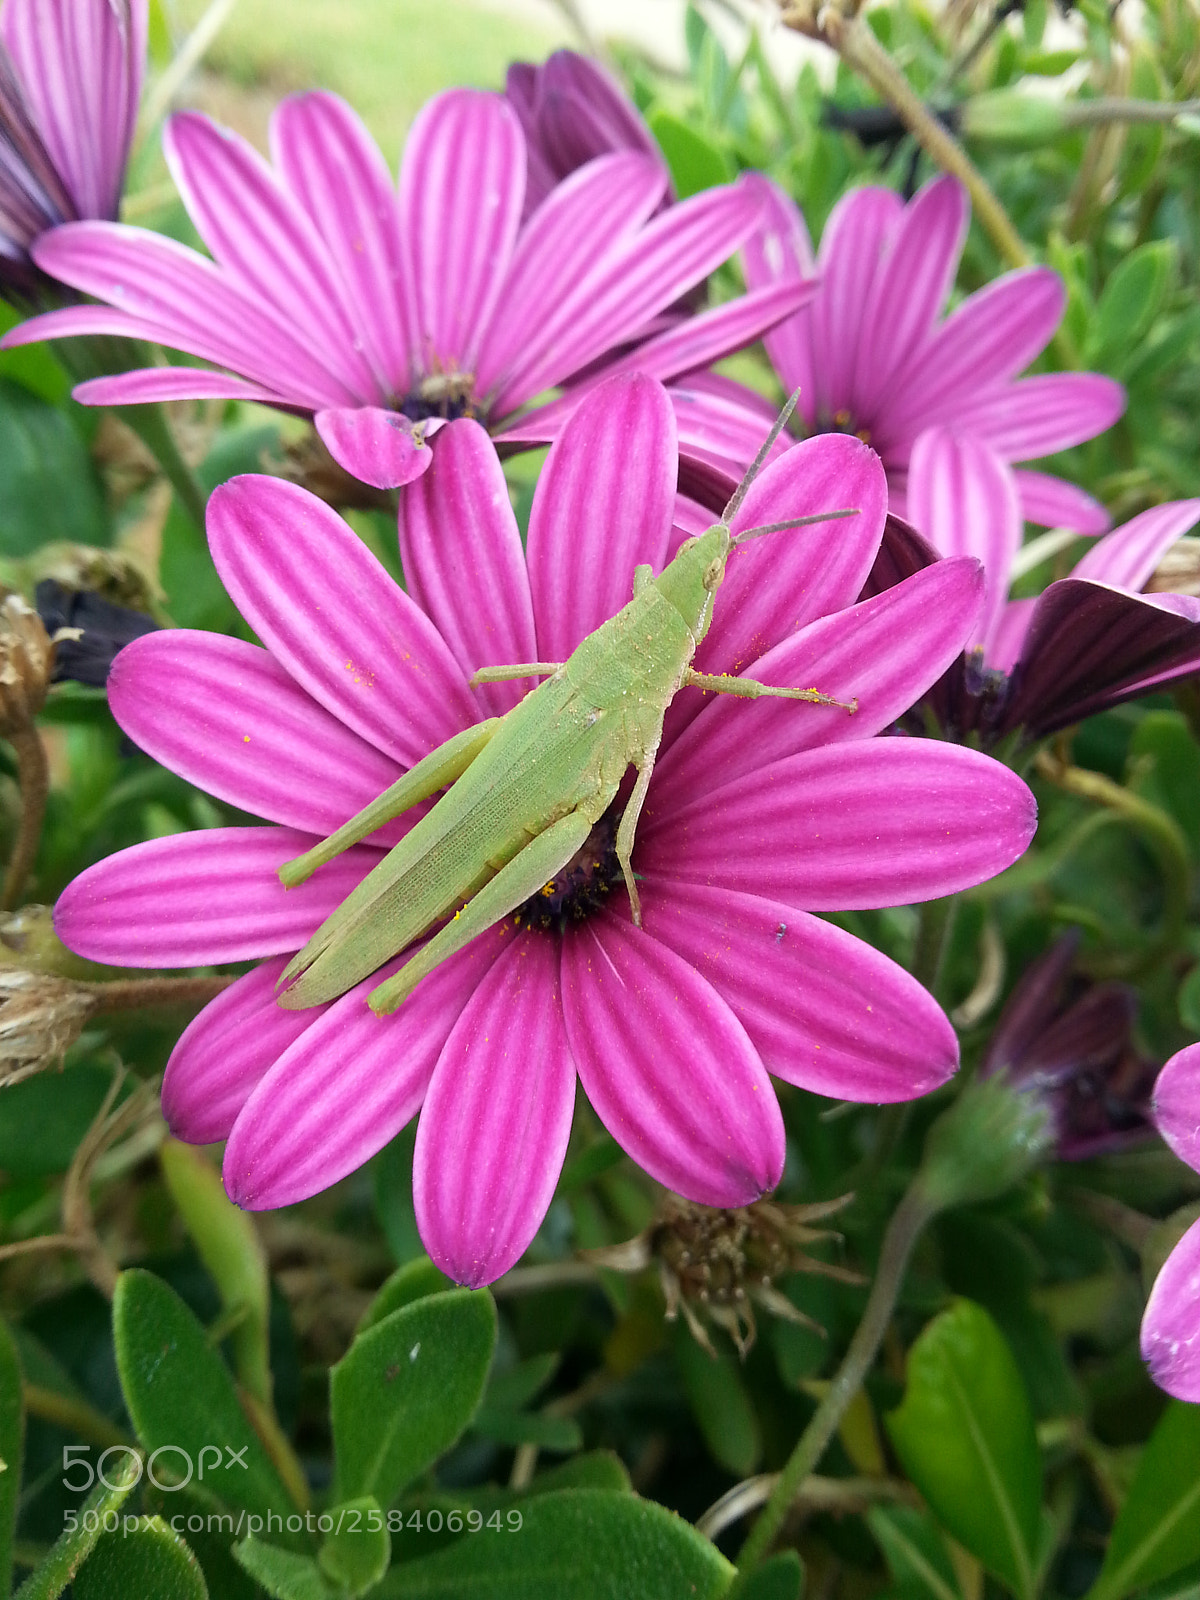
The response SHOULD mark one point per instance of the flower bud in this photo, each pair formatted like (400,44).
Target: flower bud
(26,662)
(990,1138)
(40,1019)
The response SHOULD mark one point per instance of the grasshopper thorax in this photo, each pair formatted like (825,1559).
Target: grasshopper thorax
(693,577)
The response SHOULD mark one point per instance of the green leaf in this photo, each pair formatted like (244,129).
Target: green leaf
(39,447)
(1164,767)
(578,1544)
(282,1573)
(146,1560)
(182,1398)
(965,1435)
(529,1427)
(1132,298)
(696,163)
(415,1280)
(915,1552)
(780,1578)
(720,1404)
(1157,1530)
(12,1451)
(73,1545)
(356,1554)
(406,1389)
(43,1119)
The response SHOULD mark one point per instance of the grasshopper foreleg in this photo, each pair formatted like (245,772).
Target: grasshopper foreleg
(750,689)
(513,669)
(523,876)
(628,829)
(440,767)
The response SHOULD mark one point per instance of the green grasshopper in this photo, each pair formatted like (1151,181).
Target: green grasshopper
(528,787)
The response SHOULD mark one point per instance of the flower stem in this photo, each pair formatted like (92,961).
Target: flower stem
(838,26)
(76,1416)
(910,1217)
(933,936)
(33,773)
(131,994)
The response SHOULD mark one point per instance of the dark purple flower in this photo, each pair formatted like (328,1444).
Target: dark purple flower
(70,82)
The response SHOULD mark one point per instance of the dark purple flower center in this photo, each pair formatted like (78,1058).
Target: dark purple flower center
(448,395)
(583,885)
(843,421)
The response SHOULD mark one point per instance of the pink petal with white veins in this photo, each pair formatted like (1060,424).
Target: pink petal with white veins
(152,385)
(884,822)
(347,1086)
(667,1066)
(226,716)
(462,187)
(854,243)
(823,1009)
(1053,503)
(1127,557)
(1176,1104)
(497,1118)
(1037,416)
(780,252)
(225,1051)
(1171,1324)
(603,505)
(376,446)
(464,564)
(332,616)
(201,899)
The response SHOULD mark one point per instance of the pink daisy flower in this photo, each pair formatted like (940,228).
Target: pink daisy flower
(330,292)
(872,354)
(70,82)
(1171,1324)
(1089,640)
(754,820)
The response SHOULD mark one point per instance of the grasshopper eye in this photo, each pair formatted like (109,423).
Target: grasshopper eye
(713,574)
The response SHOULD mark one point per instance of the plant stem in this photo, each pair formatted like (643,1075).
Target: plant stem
(76,1416)
(933,936)
(131,994)
(33,773)
(910,1217)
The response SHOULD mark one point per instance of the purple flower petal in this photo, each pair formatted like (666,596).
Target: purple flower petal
(150,385)
(667,1066)
(1053,503)
(1127,557)
(887,822)
(225,716)
(464,564)
(179,299)
(81,64)
(330,615)
(854,243)
(909,290)
(1037,416)
(722,422)
(823,1009)
(780,252)
(346,1087)
(585,218)
(265,242)
(1171,1324)
(1176,1105)
(962,497)
(382,448)
(225,1051)
(603,504)
(884,653)
(201,899)
(462,186)
(335,171)
(497,1118)
(1012,629)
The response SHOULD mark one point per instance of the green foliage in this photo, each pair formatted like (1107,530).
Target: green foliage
(1158,1528)
(145,1559)
(82,1532)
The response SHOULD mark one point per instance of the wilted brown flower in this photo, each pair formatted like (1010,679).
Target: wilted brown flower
(26,662)
(40,1019)
(717,1263)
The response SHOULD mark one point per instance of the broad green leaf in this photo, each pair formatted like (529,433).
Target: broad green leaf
(915,1552)
(38,446)
(579,1544)
(406,1389)
(12,1451)
(43,1119)
(780,1578)
(1132,298)
(74,1544)
(1164,767)
(356,1553)
(1158,1528)
(720,1404)
(965,1436)
(182,1398)
(413,1281)
(284,1574)
(696,163)
(147,1560)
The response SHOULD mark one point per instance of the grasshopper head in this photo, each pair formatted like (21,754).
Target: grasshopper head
(694,576)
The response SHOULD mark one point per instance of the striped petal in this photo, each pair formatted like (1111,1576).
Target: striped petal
(780,252)
(853,244)
(1038,416)
(1053,503)
(1127,557)
(382,448)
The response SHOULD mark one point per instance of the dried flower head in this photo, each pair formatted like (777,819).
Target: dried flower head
(26,662)
(718,1263)
(40,1019)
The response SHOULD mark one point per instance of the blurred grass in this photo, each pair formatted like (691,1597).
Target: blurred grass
(385,56)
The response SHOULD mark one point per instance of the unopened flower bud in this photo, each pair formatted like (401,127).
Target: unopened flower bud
(990,1138)
(26,662)
(40,1019)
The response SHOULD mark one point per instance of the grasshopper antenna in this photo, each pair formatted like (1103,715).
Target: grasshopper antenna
(794,522)
(755,467)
